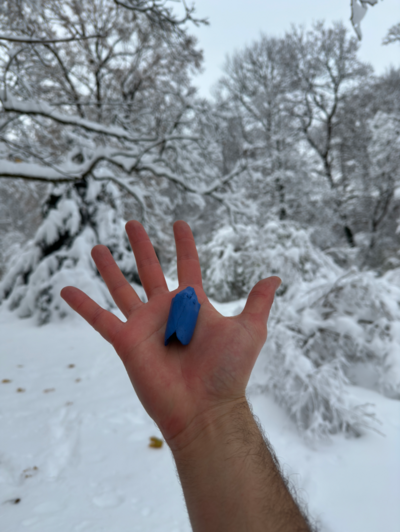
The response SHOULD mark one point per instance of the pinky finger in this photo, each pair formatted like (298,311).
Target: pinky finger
(101,320)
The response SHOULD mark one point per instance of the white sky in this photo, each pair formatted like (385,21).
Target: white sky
(235,23)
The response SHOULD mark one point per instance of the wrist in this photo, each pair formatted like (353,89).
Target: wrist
(209,427)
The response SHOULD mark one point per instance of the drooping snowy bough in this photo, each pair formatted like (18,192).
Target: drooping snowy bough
(326,335)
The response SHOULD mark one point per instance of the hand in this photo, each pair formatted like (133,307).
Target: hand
(179,386)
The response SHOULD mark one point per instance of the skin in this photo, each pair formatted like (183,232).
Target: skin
(196,393)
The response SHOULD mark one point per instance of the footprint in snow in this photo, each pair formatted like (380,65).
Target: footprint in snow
(63,449)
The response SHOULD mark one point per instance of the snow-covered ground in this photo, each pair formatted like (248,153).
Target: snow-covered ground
(74,452)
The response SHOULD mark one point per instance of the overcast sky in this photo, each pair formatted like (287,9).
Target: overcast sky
(235,23)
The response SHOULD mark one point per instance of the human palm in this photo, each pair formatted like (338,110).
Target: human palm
(176,384)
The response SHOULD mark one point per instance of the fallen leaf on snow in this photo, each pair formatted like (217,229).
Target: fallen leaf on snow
(155,443)
(12,501)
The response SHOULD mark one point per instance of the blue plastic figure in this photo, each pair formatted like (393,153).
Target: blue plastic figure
(182,316)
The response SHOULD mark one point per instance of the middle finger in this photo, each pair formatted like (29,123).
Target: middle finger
(150,272)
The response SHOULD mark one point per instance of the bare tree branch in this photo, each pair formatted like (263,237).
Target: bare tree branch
(393,35)
(159,14)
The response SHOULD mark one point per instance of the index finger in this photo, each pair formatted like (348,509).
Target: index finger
(189,271)
(102,321)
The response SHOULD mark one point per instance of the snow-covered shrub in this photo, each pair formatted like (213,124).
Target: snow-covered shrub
(328,328)
(235,259)
(327,334)
(76,218)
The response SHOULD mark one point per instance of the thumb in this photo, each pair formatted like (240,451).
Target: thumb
(261,297)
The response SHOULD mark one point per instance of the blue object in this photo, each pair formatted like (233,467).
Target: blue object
(182,316)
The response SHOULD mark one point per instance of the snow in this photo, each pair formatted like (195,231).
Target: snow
(74,445)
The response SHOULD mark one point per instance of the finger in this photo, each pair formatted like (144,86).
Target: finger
(121,291)
(108,325)
(260,299)
(150,272)
(189,272)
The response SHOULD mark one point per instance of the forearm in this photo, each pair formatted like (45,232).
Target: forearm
(229,478)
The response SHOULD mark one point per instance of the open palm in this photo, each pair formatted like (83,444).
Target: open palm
(176,384)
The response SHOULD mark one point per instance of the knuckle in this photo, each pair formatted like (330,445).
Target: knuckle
(115,338)
(118,287)
(96,317)
(186,256)
(147,262)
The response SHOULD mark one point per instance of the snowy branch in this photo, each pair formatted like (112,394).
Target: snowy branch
(161,172)
(30,40)
(40,108)
(241,167)
(35,172)
(135,192)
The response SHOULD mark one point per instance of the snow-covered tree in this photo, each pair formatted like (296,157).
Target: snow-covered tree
(368,185)
(281,105)
(384,155)
(74,220)
(253,98)
(96,96)
(325,68)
